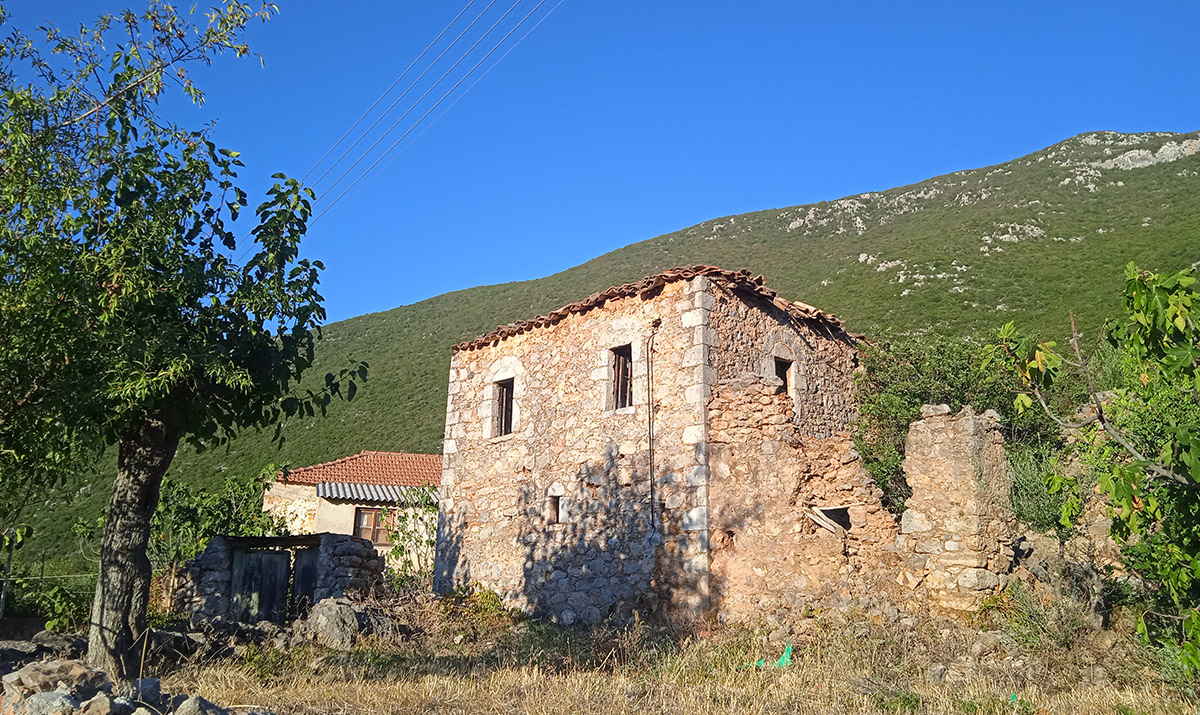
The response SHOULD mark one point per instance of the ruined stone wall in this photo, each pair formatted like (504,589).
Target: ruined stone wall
(752,332)
(629,531)
(957,525)
(296,504)
(345,565)
(770,556)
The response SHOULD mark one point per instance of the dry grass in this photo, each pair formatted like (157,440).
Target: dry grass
(500,665)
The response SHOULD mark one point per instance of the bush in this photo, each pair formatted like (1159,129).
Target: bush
(1031,469)
(899,378)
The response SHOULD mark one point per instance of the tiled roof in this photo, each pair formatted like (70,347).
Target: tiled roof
(740,281)
(399,469)
(375,493)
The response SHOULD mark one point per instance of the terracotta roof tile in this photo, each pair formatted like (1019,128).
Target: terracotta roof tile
(741,281)
(389,468)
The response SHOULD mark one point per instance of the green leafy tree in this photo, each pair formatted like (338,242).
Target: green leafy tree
(1144,437)
(124,222)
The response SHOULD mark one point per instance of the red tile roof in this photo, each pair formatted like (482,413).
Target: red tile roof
(391,468)
(740,281)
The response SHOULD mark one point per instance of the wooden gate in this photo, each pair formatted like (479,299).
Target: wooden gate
(304,580)
(260,585)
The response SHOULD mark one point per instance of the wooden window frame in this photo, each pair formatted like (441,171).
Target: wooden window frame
(505,406)
(622,376)
(378,530)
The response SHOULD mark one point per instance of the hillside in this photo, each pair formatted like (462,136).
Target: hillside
(960,253)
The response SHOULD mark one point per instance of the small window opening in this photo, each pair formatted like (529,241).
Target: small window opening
(622,376)
(839,515)
(552,506)
(782,368)
(504,405)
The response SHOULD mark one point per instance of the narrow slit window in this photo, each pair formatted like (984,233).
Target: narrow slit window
(782,369)
(552,505)
(622,376)
(504,407)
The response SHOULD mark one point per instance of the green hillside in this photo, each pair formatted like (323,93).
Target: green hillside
(960,253)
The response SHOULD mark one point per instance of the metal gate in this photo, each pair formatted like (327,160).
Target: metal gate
(260,585)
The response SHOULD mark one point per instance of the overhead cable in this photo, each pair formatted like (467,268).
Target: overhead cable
(385,92)
(409,89)
(432,87)
(427,113)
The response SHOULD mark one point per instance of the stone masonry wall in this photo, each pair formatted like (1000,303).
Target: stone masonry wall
(345,565)
(296,504)
(770,558)
(751,333)
(629,531)
(957,525)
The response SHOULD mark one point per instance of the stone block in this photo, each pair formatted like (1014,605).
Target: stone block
(694,318)
(914,522)
(693,434)
(962,559)
(977,579)
(696,519)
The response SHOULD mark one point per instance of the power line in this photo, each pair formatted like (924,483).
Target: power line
(430,111)
(472,85)
(386,91)
(432,87)
(409,89)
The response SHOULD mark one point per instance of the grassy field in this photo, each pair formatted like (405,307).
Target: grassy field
(1027,240)
(476,661)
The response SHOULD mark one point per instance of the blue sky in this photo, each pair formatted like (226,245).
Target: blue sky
(617,121)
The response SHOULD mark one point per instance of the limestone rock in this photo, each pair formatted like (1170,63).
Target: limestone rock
(333,623)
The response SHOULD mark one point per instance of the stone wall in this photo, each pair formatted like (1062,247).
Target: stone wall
(346,565)
(751,333)
(773,554)
(621,536)
(296,504)
(585,511)
(957,526)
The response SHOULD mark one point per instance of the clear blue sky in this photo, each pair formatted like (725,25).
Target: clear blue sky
(620,120)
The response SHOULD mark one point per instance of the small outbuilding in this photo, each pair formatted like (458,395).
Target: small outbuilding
(349,495)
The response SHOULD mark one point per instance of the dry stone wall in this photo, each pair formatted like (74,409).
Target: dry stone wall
(751,333)
(345,565)
(296,504)
(773,498)
(957,527)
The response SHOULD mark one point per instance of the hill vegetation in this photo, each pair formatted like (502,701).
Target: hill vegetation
(955,255)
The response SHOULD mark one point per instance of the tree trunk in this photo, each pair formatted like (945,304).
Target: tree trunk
(123,590)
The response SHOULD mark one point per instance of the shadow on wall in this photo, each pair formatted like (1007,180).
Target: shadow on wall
(596,545)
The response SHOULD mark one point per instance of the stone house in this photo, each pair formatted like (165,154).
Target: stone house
(348,495)
(678,444)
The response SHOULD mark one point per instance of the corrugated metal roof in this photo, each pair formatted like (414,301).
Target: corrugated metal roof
(375,493)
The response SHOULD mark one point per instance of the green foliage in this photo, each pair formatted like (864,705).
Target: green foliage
(904,702)
(899,378)
(412,531)
(187,518)
(1143,442)
(1038,492)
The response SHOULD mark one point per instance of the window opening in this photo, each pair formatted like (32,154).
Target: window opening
(622,376)
(504,404)
(369,524)
(782,368)
(839,515)
(552,510)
